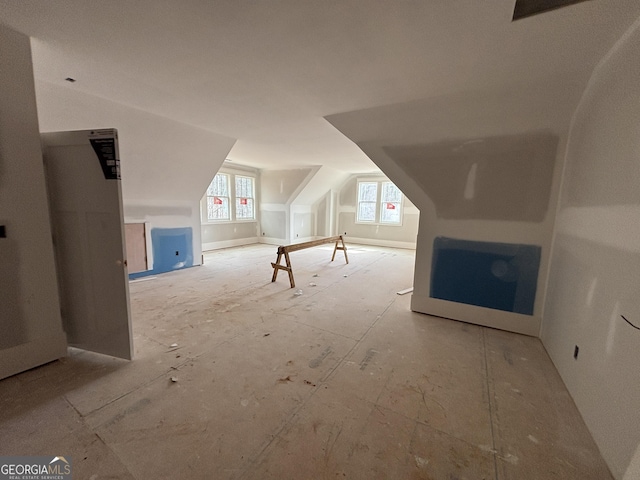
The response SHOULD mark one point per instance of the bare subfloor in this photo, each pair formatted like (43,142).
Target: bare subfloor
(341,381)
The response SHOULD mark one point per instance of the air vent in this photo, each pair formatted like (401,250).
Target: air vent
(527,8)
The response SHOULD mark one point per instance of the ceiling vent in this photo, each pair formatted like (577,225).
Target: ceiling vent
(527,8)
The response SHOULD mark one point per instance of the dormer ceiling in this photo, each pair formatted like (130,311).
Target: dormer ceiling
(268,72)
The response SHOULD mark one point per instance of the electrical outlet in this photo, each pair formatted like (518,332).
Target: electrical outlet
(576,350)
(177,253)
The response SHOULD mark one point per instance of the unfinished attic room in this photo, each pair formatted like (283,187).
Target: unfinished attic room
(293,239)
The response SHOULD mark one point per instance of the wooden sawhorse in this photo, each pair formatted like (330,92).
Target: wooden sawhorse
(284,250)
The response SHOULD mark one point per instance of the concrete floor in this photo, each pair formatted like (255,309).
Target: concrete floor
(342,381)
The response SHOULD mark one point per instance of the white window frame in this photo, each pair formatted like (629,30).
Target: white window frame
(223,197)
(382,204)
(231,188)
(379,203)
(373,202)
(251,197)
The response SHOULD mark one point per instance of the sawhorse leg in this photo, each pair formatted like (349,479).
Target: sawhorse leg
(343,248)
(289,269)
(276,266)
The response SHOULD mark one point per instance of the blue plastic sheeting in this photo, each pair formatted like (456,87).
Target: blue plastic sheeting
(172,250)
(502,276)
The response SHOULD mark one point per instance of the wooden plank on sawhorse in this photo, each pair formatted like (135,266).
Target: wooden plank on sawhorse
(284,250)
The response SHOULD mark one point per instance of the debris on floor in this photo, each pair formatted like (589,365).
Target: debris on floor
(312,284)
(266,334)
(173,345)
(405,291)
(298,293)
(316,275)
(226,406)
(345,275)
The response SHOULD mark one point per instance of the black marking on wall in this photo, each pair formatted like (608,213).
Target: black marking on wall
(634,326)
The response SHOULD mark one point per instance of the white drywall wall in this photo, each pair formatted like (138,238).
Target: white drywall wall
(426,144)
(166,165)
(305,201)
(595,267)
(29,305)
(279,186)
(511,199)
(324,179)
(402,236)
(283,218)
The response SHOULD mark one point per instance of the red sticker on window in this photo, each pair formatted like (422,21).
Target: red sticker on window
(217,201)
(243,201)
(391,206)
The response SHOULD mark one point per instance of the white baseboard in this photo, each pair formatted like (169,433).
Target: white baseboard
(281,241)
(379,243)
(228,243)
(272,241)
(488,317)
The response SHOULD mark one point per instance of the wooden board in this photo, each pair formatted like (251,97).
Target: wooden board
(136,243)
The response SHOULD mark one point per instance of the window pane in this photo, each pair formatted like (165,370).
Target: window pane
(390,212)
(366,211)
(244,187)
(218,208)
(244,198)
(391,193)
(244,208)
(219,186)
(367,191)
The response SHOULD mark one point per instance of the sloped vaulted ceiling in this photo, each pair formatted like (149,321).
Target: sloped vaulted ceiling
(267,72)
